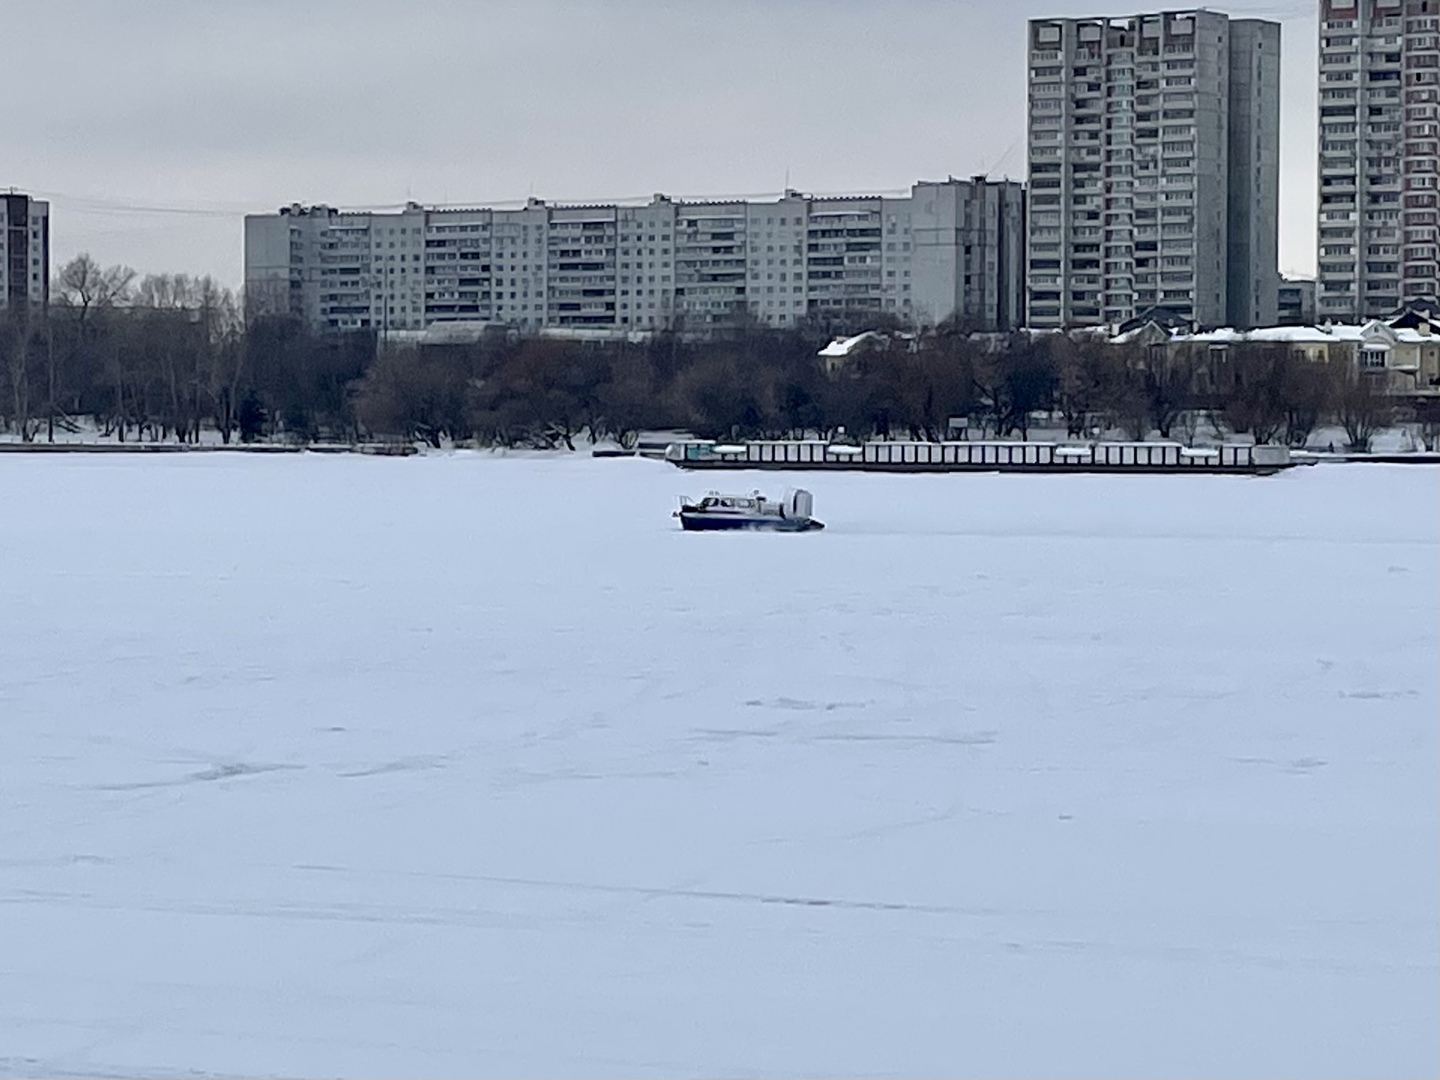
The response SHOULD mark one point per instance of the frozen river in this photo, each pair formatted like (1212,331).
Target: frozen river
(460,766)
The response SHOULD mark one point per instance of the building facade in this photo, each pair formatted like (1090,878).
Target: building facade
(1295,304)
(1401,361)
(1154,169)
(951,249)
(1379,151)
(24,253)
(968,254)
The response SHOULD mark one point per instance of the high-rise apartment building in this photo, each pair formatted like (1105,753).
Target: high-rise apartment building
(24,252)
(1154,168)
(1379,155)
(951,249)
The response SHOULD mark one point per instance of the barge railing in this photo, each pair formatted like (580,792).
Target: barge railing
(900,456)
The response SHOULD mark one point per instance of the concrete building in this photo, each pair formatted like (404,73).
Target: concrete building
(1295,305)
(1154,169)
(24,252)
(1253,192)
(1379,152)
(952,249)
(968,254)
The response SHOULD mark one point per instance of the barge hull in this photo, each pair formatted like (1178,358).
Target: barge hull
(923,457)
(927,467)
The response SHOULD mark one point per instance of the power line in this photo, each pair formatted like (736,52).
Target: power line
(95,206)
(90,205)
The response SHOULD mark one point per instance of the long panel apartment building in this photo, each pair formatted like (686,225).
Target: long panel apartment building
(1153,168)
(1379,155)
(949,250)
(24,253)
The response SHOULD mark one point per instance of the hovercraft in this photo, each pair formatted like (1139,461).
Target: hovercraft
(717,512)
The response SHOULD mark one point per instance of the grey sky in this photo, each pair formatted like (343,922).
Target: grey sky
(153,126)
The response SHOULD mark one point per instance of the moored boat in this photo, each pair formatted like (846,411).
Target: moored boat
(717,512)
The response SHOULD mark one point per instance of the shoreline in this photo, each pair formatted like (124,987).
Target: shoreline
(1383,457)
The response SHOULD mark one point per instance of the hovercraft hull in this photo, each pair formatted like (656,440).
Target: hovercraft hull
(736,523)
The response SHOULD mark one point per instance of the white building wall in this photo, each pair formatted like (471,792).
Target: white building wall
(267,261)
(581,267)
(845,258)
(937,219)
(397,260)
(647,265)
(459,265)
(898,270)
(711,254)
(968,245)
(776,239)
(665,264)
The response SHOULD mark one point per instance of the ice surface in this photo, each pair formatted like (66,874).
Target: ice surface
(317,765)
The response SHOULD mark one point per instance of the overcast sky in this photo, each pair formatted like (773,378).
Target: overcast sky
(153,125)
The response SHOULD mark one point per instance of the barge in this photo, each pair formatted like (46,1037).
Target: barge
(918,457)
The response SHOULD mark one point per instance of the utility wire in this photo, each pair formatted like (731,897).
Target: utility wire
(91,205)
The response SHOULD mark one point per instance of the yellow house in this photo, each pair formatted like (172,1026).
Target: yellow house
(1404,360)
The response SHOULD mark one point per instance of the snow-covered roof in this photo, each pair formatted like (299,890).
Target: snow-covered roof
(846,346)
(595,333)
(1138,332)
(1374,330)
(460,330)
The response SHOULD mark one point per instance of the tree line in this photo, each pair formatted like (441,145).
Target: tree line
(165,356)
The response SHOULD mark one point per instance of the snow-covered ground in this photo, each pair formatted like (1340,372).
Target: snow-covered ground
(1402,438)
(468,766)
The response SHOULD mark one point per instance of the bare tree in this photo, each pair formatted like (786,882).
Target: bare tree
(1256,402)
(1361,407)
(1082,371)
(1167,385)
(222,357)
(1189,424)
(191,330)
(84,297)
(20,331)
(1308,393)
(1013,382)
(83,286)
(1427,415)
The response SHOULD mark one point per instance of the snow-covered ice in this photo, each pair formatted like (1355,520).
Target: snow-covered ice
(319,765)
